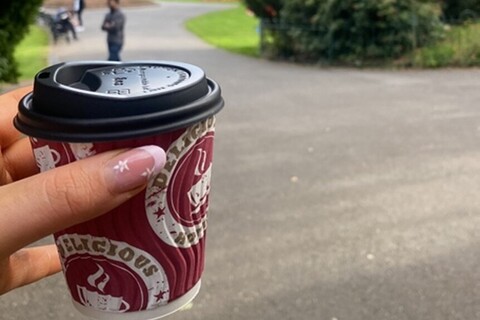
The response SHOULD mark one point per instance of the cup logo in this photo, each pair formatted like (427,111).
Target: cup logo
(198,194)
(111,275)
(46,157)
(97,300)
(99,279)
(176,201)
(82,150)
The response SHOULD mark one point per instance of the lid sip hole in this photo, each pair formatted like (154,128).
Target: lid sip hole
(44,75)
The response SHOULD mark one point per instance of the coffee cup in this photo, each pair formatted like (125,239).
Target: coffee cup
(144,259)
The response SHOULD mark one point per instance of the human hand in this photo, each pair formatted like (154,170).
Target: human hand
(107,25)
(33,206)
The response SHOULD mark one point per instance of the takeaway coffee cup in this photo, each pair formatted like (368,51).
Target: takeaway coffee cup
(144,259)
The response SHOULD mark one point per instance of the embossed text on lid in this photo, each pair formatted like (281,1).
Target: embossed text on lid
(136,80)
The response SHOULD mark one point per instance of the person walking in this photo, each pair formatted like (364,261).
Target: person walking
(78,6)
(63,24)
(114,24)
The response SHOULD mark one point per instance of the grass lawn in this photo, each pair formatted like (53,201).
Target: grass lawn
(32,52)
(233,30)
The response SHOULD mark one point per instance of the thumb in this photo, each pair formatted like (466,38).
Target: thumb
(42,204)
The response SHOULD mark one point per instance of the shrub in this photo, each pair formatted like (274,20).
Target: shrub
(15,17)
(460,47)
(356,30)
(435,57)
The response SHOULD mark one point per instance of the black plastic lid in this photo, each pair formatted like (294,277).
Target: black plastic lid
(104,101)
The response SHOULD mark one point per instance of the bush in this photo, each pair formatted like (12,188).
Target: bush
(460,48)
(15,18)
(435,57)
(355,30)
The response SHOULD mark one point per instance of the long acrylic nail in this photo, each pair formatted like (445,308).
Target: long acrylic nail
(133,168)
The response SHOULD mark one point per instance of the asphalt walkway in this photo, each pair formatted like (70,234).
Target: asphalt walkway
(337,194)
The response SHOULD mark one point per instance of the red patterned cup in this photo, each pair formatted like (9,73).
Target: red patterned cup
(144,259)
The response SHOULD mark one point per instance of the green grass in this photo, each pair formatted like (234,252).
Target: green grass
(32,52)
(459,48)
(233,30)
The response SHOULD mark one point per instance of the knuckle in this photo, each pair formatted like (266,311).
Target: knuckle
(71,191)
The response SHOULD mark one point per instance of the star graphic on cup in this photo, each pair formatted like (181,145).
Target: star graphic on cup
(160,295)
(159,214)
(122,166)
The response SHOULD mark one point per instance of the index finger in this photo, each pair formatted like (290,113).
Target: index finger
(8,110)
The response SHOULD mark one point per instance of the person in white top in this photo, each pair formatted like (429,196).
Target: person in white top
(78,6)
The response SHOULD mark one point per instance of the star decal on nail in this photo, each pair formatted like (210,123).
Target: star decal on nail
(148,173)
(122,166)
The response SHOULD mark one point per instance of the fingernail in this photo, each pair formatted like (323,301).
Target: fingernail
(133,168)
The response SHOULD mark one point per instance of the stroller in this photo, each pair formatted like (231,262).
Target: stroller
(60,24)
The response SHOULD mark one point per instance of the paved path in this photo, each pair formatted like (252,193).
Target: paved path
(338,194)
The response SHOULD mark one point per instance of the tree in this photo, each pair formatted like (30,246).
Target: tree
(15,18)
(265,9)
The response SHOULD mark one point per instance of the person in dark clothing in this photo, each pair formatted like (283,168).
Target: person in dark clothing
(114,24)
(78,6)
(63,24)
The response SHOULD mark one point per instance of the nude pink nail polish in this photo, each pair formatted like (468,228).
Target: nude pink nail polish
(133,168)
